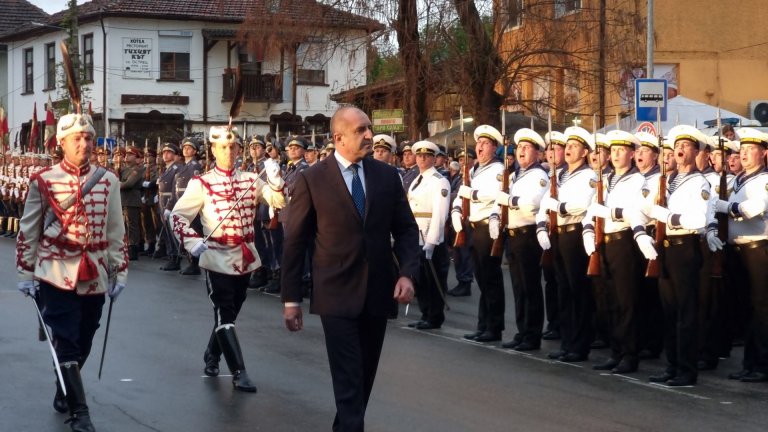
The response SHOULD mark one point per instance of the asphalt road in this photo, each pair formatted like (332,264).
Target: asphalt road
(428,381)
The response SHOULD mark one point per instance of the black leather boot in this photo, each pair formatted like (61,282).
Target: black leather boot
(133,253)
(274,284)
(258,278)
(2,225)
(149,250)
(80,419)
(59,400)
(173,264)
(193,268)
(212,356)
(230,347)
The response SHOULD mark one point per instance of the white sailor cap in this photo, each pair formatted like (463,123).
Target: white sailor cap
(710,142)
(622,138)
(386,141)
(529,135)
(665,143)
(555,137)
(688,132)
(425,147)
(601,140)
(222,135)
(732,145)
(649,140)
(752,136)
(74,123)
(580,135)
(489,132)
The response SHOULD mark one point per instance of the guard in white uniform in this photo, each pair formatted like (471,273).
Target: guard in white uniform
(688,204)
(226,199)
(71,247)
(747,208)
(527,185)
(485,183)
(429,198)
(576,187)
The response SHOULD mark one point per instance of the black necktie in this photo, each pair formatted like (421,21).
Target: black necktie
(358,194)
(418,182)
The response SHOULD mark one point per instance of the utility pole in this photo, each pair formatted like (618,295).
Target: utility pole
(649,43)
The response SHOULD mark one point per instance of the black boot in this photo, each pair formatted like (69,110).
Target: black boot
(59,400)
(463,289)
(212,356)
(80,419)
(274,284)
(149,250)
(133,253)
(258,278)
(159,252)
(230,347)
(173,264)
(2,225)
(192,268)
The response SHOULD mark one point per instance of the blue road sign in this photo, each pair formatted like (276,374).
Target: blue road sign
(649,94)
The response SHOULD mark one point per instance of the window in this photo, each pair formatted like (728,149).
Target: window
(29,77)
(88,58)
(565,7)
(174,58)
(50,66)
(513,13)
(311,64)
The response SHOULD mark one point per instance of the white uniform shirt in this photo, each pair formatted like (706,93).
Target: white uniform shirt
(754,186)
(623,199)
(485,183)
(526,188)
(575,192)
(429,198)
(692,195)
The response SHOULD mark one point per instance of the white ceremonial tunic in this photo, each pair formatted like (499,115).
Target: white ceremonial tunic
(429,198)
(231,248)
(92,227)
(526,188)
(691,196)
(624,200)
(575,192)
(485,181)
(754,186)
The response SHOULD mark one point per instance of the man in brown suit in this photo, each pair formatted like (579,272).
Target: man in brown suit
(351,206)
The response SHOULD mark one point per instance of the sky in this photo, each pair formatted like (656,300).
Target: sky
(52,6)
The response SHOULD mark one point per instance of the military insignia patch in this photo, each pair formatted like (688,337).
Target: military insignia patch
(444,192)
(717,189)
(645,193)
(542,182)
(705,195)
(498,177)
(592,183)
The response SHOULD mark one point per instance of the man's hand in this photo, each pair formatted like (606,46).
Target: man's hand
(198,248)
(115,290)
(28,287)
(589,242)
(404,290)
(502,199)
(145,184)
(465,192)
(428,249)
(293,318)
(549,203)
(456,221)
(543,239)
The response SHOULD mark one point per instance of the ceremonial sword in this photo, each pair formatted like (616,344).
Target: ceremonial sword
(50,346)
(434,276)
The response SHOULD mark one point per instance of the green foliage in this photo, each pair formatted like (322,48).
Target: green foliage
(384,67)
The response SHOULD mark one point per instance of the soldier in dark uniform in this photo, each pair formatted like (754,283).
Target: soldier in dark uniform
(461,256)
(150,222)
(410,170)
(166,200)
(130,196)
(184,174)
(262,275)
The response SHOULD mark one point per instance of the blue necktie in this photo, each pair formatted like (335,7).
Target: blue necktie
(358,194)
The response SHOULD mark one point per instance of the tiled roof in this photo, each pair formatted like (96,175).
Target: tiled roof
(16,13)
(307,12)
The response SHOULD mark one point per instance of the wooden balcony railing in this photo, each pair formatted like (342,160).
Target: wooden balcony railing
(258,88)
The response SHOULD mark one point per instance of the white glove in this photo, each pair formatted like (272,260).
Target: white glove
(721,206)
(156,200)
(28,287)
(503,199)
(493,227)
(143,200)
(543,239)
(660,213)
(115,290)
(429,249)
(713,241)
(645,243)
(198,248)
(589,242)
(599,210)
(549,203)
(145,184)
(693,221)
(465,192)
(271,212)
(274,176)
(456,221)
(167,214)
(751,208)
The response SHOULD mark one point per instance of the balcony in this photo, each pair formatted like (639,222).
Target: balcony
(257,87)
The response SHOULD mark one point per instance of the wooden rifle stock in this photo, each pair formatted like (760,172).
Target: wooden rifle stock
(722,218)
(546,256)
(653,269)
(497,248)
(593,269)
(461,238)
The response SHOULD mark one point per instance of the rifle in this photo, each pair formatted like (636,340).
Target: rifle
(546,256)
(653,270)
(461,238)
(275,221)
(498,245)
(147,173)
(159,159)
(593,269)
(722,218)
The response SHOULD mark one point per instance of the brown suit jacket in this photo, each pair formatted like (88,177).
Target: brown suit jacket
(353,268)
